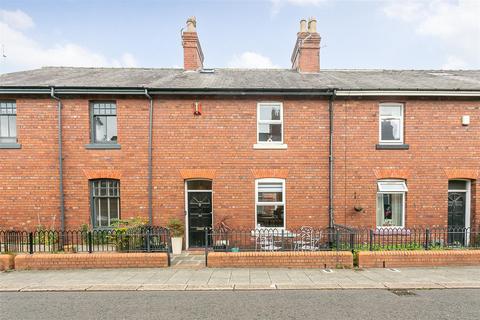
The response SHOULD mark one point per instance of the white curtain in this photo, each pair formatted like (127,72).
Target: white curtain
(397,209)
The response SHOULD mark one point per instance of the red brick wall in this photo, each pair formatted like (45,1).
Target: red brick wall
(219,143)
(322,259)
(6,262)
(47,261)
(438,142)
(434,258)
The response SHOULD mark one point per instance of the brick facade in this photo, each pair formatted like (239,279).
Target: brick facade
(218,145)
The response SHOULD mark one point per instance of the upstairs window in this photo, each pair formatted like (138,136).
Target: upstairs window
(391,203)
(270,123)
(391,123)
(106,202)
(8,122)
(103,122)
(270,203)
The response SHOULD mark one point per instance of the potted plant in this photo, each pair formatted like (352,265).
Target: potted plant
(221,229)
(177,230)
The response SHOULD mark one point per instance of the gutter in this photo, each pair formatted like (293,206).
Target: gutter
(60,158)
(150,183)
(241,91)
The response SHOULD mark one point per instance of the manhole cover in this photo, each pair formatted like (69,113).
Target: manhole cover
(403,292)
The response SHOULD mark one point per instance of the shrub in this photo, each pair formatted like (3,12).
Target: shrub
(176,227)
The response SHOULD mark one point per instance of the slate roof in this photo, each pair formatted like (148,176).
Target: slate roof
(249,79)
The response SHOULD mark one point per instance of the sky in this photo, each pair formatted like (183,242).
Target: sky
(356,34)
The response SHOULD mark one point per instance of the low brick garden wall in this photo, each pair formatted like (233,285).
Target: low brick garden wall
(6,262)
(319,259)
(433,258)
(50,261)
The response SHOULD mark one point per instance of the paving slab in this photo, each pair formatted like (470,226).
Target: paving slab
(460,285)
(255,287)
(317,286)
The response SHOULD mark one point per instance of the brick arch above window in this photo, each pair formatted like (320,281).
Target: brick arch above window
(270,173)
(391,173)
(456,173)
(92,174)
(197,173)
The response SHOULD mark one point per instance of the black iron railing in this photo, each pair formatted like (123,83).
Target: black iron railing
(302,239)
(343,238)
(144,239)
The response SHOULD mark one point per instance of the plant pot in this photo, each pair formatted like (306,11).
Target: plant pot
(177,245)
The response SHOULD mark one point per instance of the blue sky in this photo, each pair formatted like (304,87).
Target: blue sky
(410,34)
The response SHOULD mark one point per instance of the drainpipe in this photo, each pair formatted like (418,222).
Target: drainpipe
(331,221)
(150,127)
(60,158)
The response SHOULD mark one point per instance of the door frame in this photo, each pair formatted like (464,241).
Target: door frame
(468,192)
(187,240)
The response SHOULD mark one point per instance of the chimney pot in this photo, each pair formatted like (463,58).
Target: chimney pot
(312,25)
(192,24)
(303,25)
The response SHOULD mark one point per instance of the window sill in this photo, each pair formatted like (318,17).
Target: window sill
(268,146)
(10,146)
(100,146)
(392,146)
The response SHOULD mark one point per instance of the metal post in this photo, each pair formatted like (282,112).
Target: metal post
(427,238)
(169,247)
(283,240)
(89,238)
(352,240)
(337,239)
(148,240)
(30,242)
(371,240)
(206,247)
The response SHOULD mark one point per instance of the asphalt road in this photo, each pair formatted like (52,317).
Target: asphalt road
(309,304)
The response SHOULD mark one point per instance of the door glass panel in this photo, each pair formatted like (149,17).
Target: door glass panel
(457,185)
(199,185)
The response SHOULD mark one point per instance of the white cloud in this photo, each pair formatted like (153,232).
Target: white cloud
(454,63)
(23,52)
(16,19)
(251,60)
(455,24)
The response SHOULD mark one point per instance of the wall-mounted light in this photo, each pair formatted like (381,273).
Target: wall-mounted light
(197,108)
(465,120)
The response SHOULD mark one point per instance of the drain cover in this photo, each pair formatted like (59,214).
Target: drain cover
(403,292)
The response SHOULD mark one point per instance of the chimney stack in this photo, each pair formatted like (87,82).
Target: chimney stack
(306,54)
(192,51)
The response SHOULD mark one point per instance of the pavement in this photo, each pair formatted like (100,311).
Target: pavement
(279,304)
(202,279)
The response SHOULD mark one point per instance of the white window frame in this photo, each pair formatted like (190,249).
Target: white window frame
(404,193)
(272,144)
(283,202)
(401,118)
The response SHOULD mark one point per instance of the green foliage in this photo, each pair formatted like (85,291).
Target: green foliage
(176,227)
(45,237)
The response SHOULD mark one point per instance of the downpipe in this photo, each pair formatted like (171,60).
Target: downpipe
(60,158)
(150,174)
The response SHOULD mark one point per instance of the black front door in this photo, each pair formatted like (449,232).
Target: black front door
(199,216)
(456,217)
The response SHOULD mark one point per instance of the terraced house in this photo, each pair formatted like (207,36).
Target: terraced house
(253,148)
